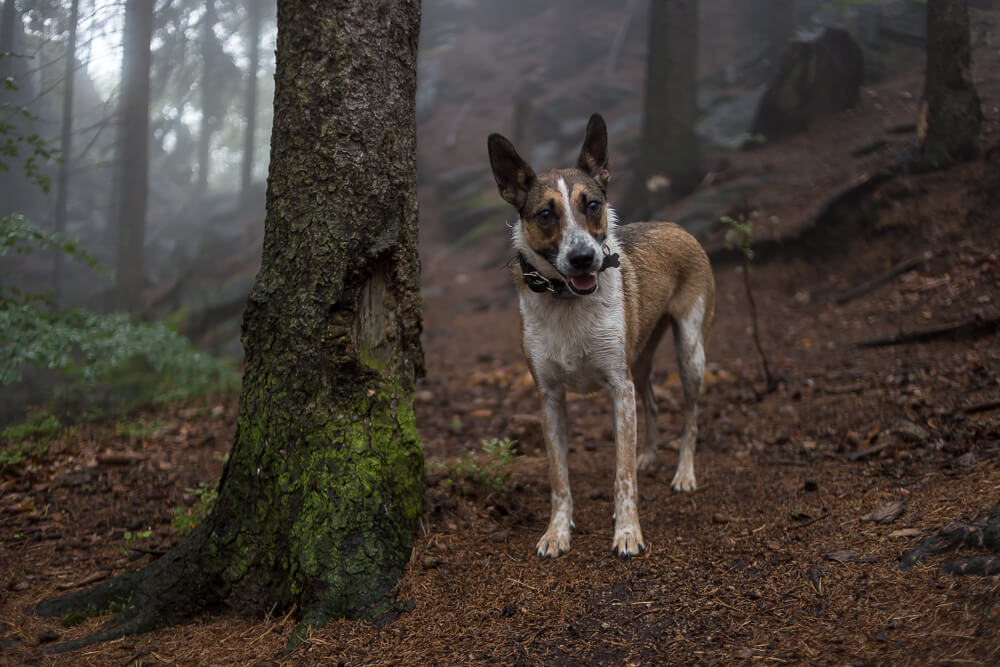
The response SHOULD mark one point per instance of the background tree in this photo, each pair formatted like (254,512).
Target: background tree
(322,490)
(669,163)
(210,52)
(66,141)
(133,153)
(950,114)
(250,99)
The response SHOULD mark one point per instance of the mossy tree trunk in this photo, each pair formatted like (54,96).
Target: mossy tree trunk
(318,501)
(669,159)
(950,114)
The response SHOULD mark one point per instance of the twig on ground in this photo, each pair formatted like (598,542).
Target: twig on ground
(871,285)
(975,326)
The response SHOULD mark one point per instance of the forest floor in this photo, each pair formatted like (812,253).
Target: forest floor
(774,559)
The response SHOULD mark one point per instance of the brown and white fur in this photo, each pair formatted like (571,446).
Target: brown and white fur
(603,327)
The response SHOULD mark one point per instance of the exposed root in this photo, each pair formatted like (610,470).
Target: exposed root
(979,535)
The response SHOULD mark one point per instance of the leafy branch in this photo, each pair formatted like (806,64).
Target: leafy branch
(739,237)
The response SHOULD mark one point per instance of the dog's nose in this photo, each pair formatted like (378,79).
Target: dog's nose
(581,258)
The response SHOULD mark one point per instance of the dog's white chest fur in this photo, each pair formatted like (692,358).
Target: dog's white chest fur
(576,343)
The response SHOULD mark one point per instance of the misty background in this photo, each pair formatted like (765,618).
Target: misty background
(533,71)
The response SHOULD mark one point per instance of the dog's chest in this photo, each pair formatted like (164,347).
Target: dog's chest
(579,343)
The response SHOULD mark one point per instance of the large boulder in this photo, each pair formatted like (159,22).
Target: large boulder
(814,79)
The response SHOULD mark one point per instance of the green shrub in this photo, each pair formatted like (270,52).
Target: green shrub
(489,470)
(28,440)
(187,518)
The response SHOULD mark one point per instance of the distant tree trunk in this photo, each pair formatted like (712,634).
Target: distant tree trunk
(7,18)
(781,24)
(208,93)
(322,490)
(65,143)
(669,164)
(950,114)
(250,103)
(133,153)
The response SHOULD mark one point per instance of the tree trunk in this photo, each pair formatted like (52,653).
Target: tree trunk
(65,144)
(781,24)
(668,163)
(7,16)
(133,150)
(950,114)
(208,94)
(320,495)
(250,103)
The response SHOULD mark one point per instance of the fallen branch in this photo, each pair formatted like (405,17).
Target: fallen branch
(872,285)
(975,327)
(985,406)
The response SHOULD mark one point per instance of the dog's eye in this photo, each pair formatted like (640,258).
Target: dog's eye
(593,207)
(544,216)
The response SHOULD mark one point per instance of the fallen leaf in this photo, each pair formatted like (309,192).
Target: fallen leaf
(905,532)
(887,513)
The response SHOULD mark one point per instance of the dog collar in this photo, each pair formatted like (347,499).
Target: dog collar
(536,282)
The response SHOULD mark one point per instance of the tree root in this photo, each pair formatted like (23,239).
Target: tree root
(979,535)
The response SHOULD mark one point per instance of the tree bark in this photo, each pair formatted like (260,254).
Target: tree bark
(950,114)
(669,164)
(320,495)
(250,102)
(133,153)
(65,144)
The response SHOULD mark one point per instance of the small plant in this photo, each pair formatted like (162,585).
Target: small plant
(131,537)
(489,470)
(139,428)
(28,440)
(187,518)
(138,535)
(739,237)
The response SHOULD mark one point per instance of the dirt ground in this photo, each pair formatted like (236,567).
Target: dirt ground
(772,560)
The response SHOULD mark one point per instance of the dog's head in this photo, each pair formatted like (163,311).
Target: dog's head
(563,213)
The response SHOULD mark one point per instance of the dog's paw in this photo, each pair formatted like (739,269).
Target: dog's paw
(628,542)
(646,460)
(553,544)
(684,480)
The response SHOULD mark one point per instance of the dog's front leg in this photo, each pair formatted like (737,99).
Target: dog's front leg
(628,535)
(555,541)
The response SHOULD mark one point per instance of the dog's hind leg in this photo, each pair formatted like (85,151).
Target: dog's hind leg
(556,539)
(641,370)
(690,350)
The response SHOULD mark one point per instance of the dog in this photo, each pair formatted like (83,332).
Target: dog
(595,300)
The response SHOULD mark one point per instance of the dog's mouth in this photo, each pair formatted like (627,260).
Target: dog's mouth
(583,284)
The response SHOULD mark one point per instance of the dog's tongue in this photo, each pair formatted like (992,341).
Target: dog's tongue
(583,283)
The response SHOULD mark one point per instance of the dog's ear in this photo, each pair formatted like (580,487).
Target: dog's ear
(513,175)
(594,154)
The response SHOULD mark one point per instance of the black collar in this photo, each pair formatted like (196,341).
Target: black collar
(536,282)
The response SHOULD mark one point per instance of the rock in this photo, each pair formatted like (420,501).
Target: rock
(814,79)
(966,459)
(887,513)
(47,636)
(909,431)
